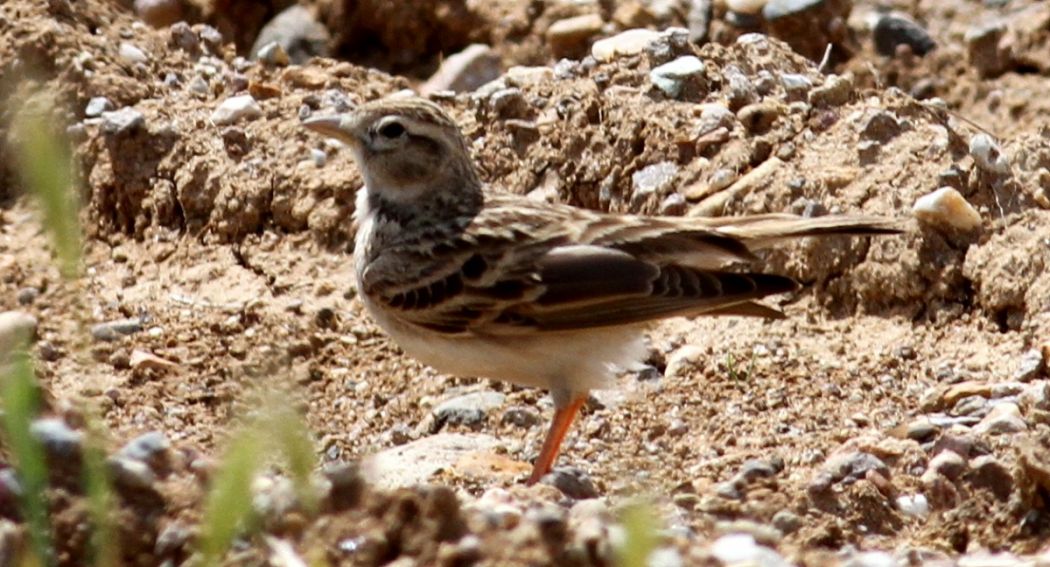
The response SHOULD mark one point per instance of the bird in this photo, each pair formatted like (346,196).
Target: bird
(477,282)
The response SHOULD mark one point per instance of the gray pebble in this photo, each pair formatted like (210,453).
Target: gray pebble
(521,416)
(96,106)
(796,86)
(882,127)
(572,482)
(674,77)
(469,409)
(212,37)
(113,330)
(652,179)
(27,295)
(988,155)
(16,327)
(948,463)
(61,443)
(130,474)
(184,37)
(921,430)
(319,157)
(122,122)
(296,33)
(740,91)
(151,448)
(835,91)
(851,467)
(787,522)
(509,103)
(1031,366)
(893,30)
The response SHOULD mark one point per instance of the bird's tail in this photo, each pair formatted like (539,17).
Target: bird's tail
(761,231)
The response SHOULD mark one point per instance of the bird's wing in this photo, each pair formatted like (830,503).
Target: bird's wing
(524,267)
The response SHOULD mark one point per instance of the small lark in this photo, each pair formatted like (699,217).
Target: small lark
(478,283)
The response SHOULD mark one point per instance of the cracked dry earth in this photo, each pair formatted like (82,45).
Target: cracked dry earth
(899,414)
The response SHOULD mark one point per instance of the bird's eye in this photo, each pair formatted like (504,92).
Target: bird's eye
(391,130)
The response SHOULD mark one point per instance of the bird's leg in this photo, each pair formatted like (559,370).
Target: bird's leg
(563,416)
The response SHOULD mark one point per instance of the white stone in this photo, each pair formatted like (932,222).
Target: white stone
(235,108)
(914,505)
(987,154)
(1004,418)
(947,207)
(131,53)
(630,42)
(15,327)
(741,549)
(670,76)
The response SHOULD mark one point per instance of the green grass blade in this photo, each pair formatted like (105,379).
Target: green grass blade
(20,402)
(228,508)
(292,442)
(46,169)
(639,524)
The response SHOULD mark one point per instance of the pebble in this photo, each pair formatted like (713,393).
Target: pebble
(569,37)
(273,53)
(131,474)
(948,463)
(159,13)
(851,467)
(319,157)
(652,179)
(468,409)
(122,122)
(300,36)
(572,482)
(236,108)
(113,330)
(16,327)
(796,86)
(131,53)
(141,359)
(211,37)
(882,127)
(151,448)
(61,443)
(1031,365)
(671,44)
(27,295)
(921,430)
(630,42)
(947,208)
(465,71)
(755,469)
(672,78)
(835,91)
(521,416)
(893,30)
(749,7)
(740,91)
(983,48)
(914,505)
(742,549)
(185,38)
(509,103)
(96,106)
(987,154)
(673,205)
(787,522)
(1004,418)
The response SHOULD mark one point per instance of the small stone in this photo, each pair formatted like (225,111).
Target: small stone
(763,534)
(787,522)
(122,122)
(1003,419)
(749,7)
(61,443)
(1031,366)
(211,37)
(948,463)
(672,43)
(199,86)
(652,179)
(673,205)
(96,106)
(755,469)
(113,330)
(131,53)
(141,360)
(521,416)
(893,30)
(465,71)
(989,473)
(509,103)
(987,154)
(882,127)
(851,467)
(184,38)
(742,549)
(298,33)
(914,505)
(25,296)
(17,328)
(570,37)
(760,117)
(236,108)
(984,45)
(947,208)
(740,91)
(319,157)
(681,76)
(469,409)
(835,91)
(159,13)
(796,86)
(130,474)
(630,42)
(152,448)
(572,482)
(921,430)
(273,54)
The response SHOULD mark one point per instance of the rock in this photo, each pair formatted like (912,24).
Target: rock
(851,467)
(947,208)
(760,117)
(808,26)
(630,42)
(742,549)
(26,296)
(122,122)
(1031,366)
(672,43)
(893,30)
(570,37)
(113,330)
(272,54)
(298,34)
(681,78)
(159,13)
(61,444)
(509,103)
(651,180)
(740,91)
(469,409)
(948,463)
(985,50)
(152,448)
(521,416)
(1034,460)
(755,469)
(1004,418)
(465,71)
(131,53)
(572,482)
(914,505)
(17,328)
(989,473)
(796,86)
(183,36)
(763,534)
(921,430)
(787,522)
(96,106)
(141,360)
(212,38)
(236,108)
(882,127)
(835,91)
(987,154)
(416,462)
(673,205)
(130,474)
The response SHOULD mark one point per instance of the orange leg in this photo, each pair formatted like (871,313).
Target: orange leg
(555,435)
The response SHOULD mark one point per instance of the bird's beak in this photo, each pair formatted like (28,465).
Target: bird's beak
(340,126)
